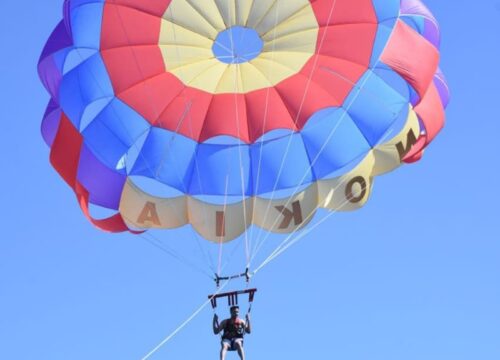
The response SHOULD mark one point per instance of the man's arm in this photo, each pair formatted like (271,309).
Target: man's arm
(217,328)
(248,326)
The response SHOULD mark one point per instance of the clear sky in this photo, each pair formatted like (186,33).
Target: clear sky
(364,285)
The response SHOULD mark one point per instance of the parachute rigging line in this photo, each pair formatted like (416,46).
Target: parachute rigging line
(161,246)
(332,132)
(187,111)
(223,225)
(286,244)
(261,242)
(308,230)
(116,126)
(266,109)
(183,325)
(237,119)
(306,89)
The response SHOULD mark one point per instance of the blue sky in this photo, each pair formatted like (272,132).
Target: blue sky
(364,285)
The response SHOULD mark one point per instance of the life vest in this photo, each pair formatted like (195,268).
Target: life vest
(234,329)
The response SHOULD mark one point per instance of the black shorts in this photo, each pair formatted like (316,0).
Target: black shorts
(232,343)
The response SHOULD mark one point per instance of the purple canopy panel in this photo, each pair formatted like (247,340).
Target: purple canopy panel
(442,87)
(50,122)
(103,184)
(431,29)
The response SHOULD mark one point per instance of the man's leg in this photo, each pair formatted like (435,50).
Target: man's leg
(223,351)
(238,344)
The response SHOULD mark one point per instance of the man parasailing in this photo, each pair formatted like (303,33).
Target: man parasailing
(234,330)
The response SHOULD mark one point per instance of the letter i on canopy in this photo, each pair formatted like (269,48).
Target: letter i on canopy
(220,224)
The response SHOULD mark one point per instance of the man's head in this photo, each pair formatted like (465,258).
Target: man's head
(235,311)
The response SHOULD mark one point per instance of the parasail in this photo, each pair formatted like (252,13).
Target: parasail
(224,114)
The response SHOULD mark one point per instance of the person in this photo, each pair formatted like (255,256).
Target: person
(234,330)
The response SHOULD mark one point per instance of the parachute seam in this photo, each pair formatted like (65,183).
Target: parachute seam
(140,70)
(355,97)
(200,14)
(286,243)
(243,193)
(298,116)
(194,157)
(266,114)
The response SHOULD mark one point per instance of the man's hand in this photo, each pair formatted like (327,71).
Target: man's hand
(248,327)
(215,324)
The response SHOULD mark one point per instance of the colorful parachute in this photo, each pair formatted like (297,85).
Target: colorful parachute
(243,112)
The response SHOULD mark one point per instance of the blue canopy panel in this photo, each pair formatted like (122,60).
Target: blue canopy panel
(333,140)
(85,22)
(86,83)
(417,23)
(393,80)
(167,157)
(220,170)
(375,107)
(75,56)
(283,162)
(386,9)
(384,31)
(110,137)
(387,14)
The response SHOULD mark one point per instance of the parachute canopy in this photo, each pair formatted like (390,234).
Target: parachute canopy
(228,113)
